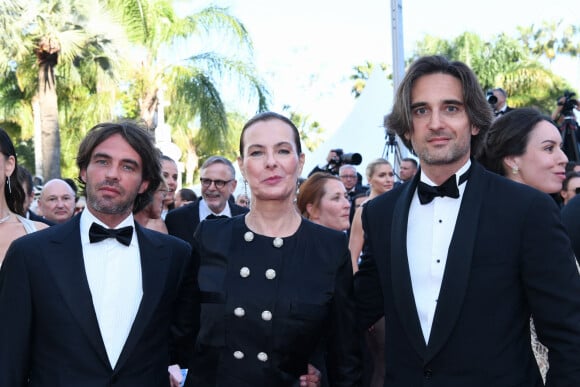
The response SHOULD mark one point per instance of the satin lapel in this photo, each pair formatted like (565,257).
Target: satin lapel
(400,274)
(458,267)
(65,262)
(154,266)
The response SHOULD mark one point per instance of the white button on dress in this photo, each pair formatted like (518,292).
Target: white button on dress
(266,315)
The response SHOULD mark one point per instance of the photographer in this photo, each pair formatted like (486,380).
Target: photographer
(565,107)
(335,159)
(497,98)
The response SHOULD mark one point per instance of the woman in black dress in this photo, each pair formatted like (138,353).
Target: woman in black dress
(275,289)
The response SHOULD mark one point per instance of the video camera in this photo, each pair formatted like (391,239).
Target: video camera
(346,158)
(491,99)
(569,104)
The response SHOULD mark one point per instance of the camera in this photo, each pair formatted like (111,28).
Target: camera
(569,104)
(346,158)
(491,99)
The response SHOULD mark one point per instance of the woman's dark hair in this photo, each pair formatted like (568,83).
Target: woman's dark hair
(509,136)
(187,195)
(268,116)
(139,140)
(13,192)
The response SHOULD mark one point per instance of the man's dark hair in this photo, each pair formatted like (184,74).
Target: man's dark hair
(569,176)
(140,140)
(411,160)
(478,110)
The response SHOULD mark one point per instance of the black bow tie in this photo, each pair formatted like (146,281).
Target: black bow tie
(449,188)
(213,216)
(99,233)
(501,112)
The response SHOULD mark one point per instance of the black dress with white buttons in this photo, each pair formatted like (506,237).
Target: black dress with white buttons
(268,304)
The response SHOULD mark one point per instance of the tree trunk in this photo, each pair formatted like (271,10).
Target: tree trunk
(49,122)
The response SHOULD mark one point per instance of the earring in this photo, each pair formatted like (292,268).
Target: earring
(8,183)
(515,169)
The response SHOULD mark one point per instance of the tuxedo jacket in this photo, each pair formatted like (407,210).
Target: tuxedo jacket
(49,333)
(509,258)
(182,222)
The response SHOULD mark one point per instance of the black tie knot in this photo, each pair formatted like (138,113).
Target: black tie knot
(449,188)
(213,216)
(99,233)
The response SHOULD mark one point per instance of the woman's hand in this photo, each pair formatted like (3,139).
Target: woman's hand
(312,379)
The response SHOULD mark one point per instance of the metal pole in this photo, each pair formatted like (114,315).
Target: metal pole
(397,38)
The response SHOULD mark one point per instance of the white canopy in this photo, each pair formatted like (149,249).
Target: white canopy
(362,131)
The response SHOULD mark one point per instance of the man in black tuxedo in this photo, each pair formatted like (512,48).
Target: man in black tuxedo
(459,259)
(93,301)
(218,183)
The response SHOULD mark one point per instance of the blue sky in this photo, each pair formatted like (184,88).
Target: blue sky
(306,49)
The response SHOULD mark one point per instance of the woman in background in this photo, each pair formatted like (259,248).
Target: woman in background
(150,216)
(381,179)
(525,146)
(170,175)
(12,224)
(323,199)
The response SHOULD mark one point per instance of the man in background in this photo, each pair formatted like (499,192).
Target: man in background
(218,183)
(500,106)
(407,169)
(57,201)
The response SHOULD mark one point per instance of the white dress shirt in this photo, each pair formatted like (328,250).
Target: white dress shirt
(204,210)
(429,231)
(114,275)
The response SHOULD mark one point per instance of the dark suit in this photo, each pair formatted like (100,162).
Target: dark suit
(49,333)
(509,258)
(182,222)
(33,216)
(571,219)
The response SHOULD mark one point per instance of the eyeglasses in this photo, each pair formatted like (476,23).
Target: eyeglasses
(206,183)
(577,190)
(348,176)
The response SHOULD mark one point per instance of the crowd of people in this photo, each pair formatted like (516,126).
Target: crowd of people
(459,269)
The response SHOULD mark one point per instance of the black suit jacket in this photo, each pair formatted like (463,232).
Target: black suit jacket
(571,219)
(509,258)
(33,216)
(182,222)
(49,334)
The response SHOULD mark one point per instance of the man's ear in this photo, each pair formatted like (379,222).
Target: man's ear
(144,185)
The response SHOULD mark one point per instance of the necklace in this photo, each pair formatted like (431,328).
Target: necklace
(4,219)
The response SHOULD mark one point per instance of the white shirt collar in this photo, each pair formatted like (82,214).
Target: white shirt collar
(204,210)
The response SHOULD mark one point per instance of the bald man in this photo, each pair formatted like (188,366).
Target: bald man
(57,201)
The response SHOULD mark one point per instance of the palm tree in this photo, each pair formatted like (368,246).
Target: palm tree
(191,83)
(75,35)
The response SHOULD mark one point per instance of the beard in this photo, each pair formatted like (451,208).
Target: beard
(123,204)
(444,156)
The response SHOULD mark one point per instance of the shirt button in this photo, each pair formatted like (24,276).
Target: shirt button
(266,315)
(262,356)
(239,355)
(244,272)
(270,274)
(240,312)
(428,373)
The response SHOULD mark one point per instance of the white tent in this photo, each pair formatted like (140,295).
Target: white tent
(362,131)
